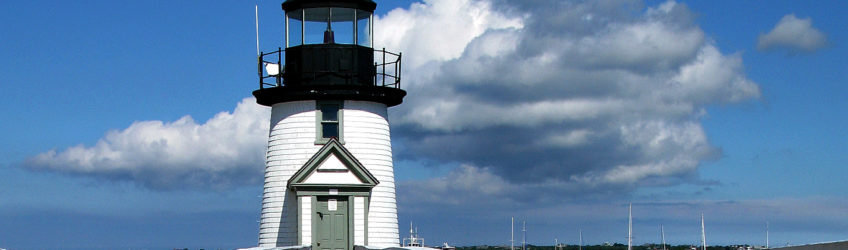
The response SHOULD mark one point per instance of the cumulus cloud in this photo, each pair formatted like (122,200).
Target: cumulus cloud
(794,34)
(225,151)
(437,29)
(560,96)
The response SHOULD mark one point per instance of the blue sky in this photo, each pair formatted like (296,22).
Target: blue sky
(758,136)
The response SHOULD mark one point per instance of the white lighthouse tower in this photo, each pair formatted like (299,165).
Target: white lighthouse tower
(329,179)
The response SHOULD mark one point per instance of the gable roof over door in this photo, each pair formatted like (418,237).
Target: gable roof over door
(332,149)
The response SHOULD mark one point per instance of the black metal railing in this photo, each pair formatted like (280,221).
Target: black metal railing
(385,78)
(263,68)
(387,69)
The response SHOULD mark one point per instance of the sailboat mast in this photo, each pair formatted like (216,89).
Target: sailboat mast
(662,232)
(512,234)
(767,235)
(703,234)
(581,240)
(630,227)
(524,235)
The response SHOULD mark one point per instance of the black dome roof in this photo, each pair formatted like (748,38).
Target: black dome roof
(367,5)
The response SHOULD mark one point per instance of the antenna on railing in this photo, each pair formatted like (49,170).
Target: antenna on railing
(256,10)
(258,53)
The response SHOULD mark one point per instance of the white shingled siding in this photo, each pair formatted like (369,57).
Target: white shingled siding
(306,220)
(366,136)
(292,142)
(359,221)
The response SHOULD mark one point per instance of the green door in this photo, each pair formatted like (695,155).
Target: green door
(330,227)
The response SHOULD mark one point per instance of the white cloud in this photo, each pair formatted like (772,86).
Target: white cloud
(794,34)
(437,29)
(713,77)
(580,104)
(226,151)
(666,148)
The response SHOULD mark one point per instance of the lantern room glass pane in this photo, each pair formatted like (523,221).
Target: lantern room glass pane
(328,26)
(315,25)
(294,30)
(363,28)
(342,25)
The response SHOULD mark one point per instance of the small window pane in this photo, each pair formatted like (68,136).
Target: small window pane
(329,113)
(363,28)
(316,24)
(330,130)
(343,25)
(295,28)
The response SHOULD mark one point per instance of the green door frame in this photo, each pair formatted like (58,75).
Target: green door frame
(348,215)
(314,190)
(349,191)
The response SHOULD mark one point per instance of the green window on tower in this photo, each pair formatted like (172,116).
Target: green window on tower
(329,121)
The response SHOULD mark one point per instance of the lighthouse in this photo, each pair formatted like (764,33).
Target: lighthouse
(329,178)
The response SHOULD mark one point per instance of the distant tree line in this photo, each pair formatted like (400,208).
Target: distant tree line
(616,246)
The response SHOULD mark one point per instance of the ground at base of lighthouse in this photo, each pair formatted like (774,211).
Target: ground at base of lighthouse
(354,248)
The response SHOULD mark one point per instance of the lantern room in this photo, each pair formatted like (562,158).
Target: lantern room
(328,54)
(310,22)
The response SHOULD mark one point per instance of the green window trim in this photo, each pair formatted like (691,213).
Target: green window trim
(328,124)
